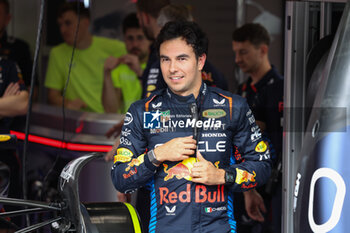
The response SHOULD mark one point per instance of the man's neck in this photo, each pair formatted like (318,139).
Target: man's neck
(260,73)
(85,43)
(155,27)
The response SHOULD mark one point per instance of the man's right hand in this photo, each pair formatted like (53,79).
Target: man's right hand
(111,63)
(76,104)
(176,149)
(12,89)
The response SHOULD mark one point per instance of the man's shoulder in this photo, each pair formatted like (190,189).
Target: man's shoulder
(18,43)
(108,42)
(226,94)
(61,48)
(274,74)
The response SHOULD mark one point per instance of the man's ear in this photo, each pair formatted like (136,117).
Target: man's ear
(84,21)
(264,48)
(201,61)
(145,18)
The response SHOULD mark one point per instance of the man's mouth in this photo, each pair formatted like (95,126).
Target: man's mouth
(176,77)
(135,51)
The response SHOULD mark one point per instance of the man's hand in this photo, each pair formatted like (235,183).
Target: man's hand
(76,104)
(12,89)
(176,149)
(110,154)
(206,173)
(254,204)
(124,197)
(115,130)
(133,62)
(111,63)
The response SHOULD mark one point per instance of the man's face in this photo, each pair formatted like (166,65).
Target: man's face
(248,57)
(180,68)
(136,42)
(143,18)
(68,23)
(4,18)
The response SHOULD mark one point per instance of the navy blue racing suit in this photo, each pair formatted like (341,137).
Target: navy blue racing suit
(177,203)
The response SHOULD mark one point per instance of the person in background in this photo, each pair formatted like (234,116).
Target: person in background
(147,13)
(84,89)
(121,83)
(152,79)
(13,102)
(250,44)
(189,182)
(13,48)
(14,97)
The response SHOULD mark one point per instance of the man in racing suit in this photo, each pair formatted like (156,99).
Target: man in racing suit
(178,142)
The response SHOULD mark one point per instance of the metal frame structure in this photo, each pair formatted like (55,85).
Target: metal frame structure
(69,214)
(297,45)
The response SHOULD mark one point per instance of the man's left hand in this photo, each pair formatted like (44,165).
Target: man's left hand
(206,173)
(133,62)
(254,205)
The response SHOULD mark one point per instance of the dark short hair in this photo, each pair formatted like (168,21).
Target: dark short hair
(6,4)
(173,12)
(151,7)
(75,7)
(189,31)
(130,21)
(253,32)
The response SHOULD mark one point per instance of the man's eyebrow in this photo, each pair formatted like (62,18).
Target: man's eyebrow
(163,56)
(183,55)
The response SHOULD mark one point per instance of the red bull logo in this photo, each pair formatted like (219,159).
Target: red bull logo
(201,195)
(244,176)
(131,173)
(181,170)
(135,162)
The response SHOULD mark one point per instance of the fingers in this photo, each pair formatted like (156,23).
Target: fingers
(188,144)
(110,132)
(12,89)
(262,207)
(254,212)
(122,197)
(115,130)
(111,63)
(200,156)
(109,156)
(188,140)
(256,215)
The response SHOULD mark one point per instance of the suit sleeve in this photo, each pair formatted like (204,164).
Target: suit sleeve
(132,168)
(255,168)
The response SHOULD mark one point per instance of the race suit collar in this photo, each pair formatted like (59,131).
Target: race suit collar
(190,98)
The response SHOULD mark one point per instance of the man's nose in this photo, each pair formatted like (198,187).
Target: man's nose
(135,44)
(237,58)
(172,67)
